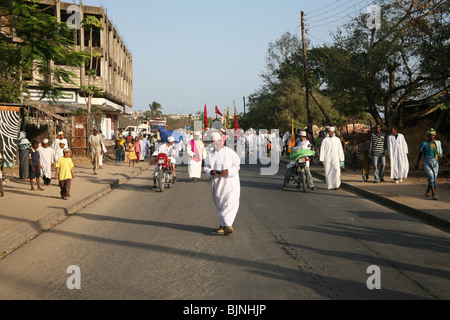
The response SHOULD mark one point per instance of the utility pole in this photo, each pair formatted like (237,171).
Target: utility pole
(305,63)
(245,111)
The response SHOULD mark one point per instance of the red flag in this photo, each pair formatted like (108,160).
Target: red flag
(218,112)
(205,118)
(236,122)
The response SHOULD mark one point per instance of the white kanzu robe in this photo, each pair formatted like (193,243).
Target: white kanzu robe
(398,153)
(226,192)
(46,160)
(332,154)
(195,166)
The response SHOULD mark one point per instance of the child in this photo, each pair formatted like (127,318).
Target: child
(137,149)
(131,153)
(64,173)
(47,161)
(366,166)
(35,166)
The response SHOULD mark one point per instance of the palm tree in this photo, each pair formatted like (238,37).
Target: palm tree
(155,110)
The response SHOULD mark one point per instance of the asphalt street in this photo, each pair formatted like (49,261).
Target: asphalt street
(135,243)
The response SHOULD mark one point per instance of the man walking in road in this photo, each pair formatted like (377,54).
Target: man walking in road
(222,165)
(378,153)
(95,147)
(332,158)
(398,153)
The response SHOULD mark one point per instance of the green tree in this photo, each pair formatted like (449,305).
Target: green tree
(29,41)
(155,110)
(399,73)
(91,23)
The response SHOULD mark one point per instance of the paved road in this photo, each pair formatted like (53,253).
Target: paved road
(138,244)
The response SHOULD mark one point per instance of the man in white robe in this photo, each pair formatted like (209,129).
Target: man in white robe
(60,139)
(197,153)
(222,165)
(258,145)
(398,153)
(46,158)
(143,143)
(332,158)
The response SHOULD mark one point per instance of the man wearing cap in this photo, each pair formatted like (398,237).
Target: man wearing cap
(306,145)
(168,149)
(95,147)
(197,153)
(47,161)
(222,165)
(332,158)
(59,140)
(64,174)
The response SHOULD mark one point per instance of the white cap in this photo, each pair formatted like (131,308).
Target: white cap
(60,133)
(67,150)
(45,141)
(302,133)
(332,129)
(216,136)
(171,139)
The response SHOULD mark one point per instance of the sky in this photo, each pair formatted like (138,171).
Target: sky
(188,53)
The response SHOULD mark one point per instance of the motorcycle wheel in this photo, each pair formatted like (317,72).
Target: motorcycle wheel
(161,181)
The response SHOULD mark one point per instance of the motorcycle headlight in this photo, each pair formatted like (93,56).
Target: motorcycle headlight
(161,161)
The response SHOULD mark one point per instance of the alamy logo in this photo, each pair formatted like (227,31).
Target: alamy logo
(74,21)
(374,21)
(74,281)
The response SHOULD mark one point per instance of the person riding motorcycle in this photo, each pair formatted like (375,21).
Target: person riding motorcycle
(168,149)
(303,144)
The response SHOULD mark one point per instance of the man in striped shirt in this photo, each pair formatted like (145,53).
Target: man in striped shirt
(378,153)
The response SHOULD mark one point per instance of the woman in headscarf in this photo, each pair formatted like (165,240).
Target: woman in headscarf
(431,151)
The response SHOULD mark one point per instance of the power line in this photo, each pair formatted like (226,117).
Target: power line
(342,18)
(325,6)
(339,13)
(323,13)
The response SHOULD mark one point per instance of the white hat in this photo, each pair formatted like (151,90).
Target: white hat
(67,150)
(216,136)
(45,141)
(302,133)
(60,133)
(332,129)
(171,139)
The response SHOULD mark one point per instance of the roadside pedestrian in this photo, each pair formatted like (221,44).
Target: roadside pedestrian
(398,153)
(35,166)
(59,152)
(24,156)
(60,139)
(222,165)
(332,158)
(137,149)
(197,153)
(354,152)
(366,163)
(104,151)
(119,148)
(378,153)
(47,161)
(65,174)
(431,151)
(95,148)
(131,153)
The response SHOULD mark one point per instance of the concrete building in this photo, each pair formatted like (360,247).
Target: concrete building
(114,70)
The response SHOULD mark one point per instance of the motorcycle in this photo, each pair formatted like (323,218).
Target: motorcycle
(301,158)
(299,174)
(165,175)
